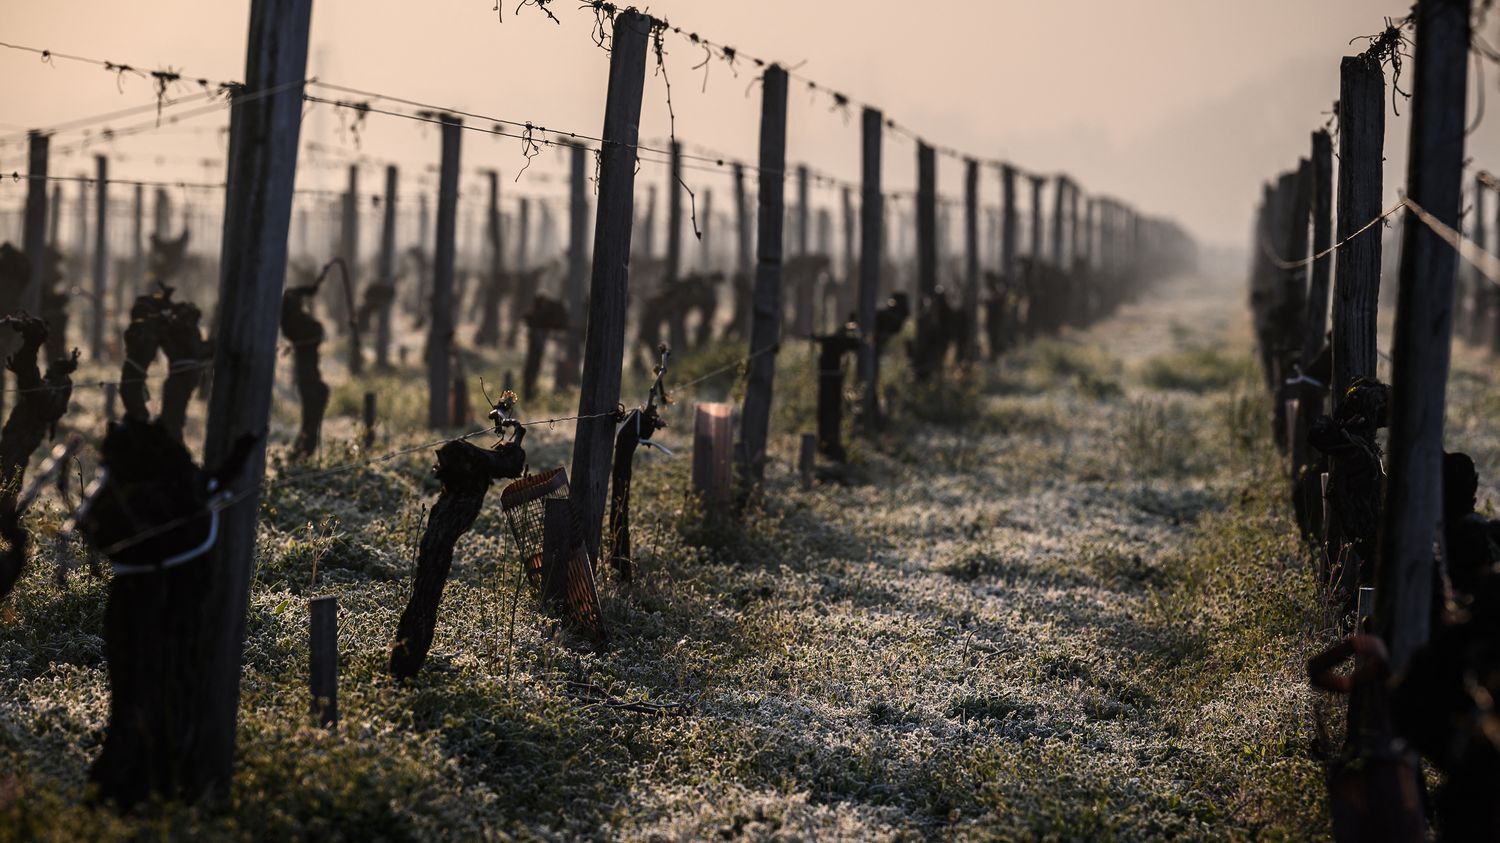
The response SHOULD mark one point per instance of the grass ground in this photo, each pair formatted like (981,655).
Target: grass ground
(1080,613)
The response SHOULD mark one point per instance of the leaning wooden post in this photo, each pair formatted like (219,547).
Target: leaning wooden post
(969,349)
(1493,295)
(765,328)
(604,348)
(576,292)
(1412,516)
(387,271)
(264,127)
(871,217)
(1356,278)
(440,320)
(101,256)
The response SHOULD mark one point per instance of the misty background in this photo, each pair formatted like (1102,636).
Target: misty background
(1180,107)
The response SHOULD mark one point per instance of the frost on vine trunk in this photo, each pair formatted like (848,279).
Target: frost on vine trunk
(466,472)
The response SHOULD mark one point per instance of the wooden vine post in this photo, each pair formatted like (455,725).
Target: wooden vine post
(744,262)
(871,251)
(386,271)
(349,251)
(804,284)
(848,300)
(604,341)
(927,252)
(440,320)
(264,126)
(1037,182)
(1356,280)
(576,293)
(1412,516)
(969,347)
(101,257)
(765,326)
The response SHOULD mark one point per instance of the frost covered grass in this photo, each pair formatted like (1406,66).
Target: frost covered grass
(1080,613)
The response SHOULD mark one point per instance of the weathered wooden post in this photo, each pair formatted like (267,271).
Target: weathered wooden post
(969,348)
(101,256)
(765,328)
(35,230)
(1412,515)
(387,270)
(872,218)
(1010,221)
(1059,202)
(264,128)
(576,294)
(323,659)
(713,432)
(927,254)
(492,291)
(439,350)
(1356,282)
(804,283)
(125,292)
(744,264)
(77,261)
(604,348)
(1037,181)
(1316,322)
(349,251)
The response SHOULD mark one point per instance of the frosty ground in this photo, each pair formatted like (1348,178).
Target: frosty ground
(1060,598)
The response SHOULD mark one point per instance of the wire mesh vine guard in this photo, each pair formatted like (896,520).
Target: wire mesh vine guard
(569,580)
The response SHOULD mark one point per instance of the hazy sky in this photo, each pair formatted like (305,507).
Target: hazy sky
(1180,106)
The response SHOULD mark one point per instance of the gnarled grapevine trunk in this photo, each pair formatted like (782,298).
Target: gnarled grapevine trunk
(466,473)
(40,403)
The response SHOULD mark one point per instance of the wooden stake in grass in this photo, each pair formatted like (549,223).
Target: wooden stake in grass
(712,434)
(1423,338)
(604,346)
(323,659)
(765,330)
